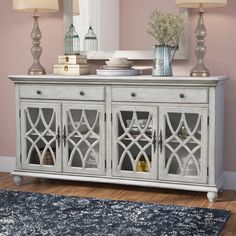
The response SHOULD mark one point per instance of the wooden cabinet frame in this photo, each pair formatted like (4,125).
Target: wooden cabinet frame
(157,100)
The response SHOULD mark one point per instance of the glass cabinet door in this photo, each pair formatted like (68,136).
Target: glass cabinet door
(183,144)
(134,141)
(40,136)
(83,138)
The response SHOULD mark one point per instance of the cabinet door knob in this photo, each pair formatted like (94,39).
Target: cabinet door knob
(181,95)
(39,92)
(133,94)
(81,93)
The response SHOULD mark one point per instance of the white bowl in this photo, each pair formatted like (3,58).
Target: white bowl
(124,64)
(118,59)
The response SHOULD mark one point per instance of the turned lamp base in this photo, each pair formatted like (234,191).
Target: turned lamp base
(36,70)
(36,50)
(199,74)
(200,70)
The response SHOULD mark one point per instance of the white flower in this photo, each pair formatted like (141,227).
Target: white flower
(166,27)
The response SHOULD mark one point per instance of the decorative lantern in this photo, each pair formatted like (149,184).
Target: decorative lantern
(72,42)
(90,41)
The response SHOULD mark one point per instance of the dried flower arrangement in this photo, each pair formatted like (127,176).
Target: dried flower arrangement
(166,27)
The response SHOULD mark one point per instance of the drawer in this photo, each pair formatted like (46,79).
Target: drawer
(173,95)
(70,92)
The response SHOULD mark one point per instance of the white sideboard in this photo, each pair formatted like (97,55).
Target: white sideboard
(162,132)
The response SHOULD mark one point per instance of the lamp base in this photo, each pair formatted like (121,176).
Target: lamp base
(199,74)
(36,70)
(200,70)
(36,50)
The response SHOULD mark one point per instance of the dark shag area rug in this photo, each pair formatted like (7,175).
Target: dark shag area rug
(23,213)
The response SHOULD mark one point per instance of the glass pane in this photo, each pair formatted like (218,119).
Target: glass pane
(83,138)
(47,114)
(92,157)
(39,153)
(73,153)
(40,136)
(48,157)
(183,154)
(76,160)
(191,120)
(175,119)
(127,164)
(35,158)
(174,167)
(33,114)
(191,168)
(135,129)
(183,143)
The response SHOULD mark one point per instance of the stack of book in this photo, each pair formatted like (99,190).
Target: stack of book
(71,65)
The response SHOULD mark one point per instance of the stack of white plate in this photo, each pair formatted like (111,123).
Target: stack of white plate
(118,66)
(119,63)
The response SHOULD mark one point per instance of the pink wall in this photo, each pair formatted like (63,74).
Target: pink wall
(133,27)
(15,44)
(15,59)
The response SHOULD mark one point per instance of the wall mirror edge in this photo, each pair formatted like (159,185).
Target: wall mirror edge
(182,54)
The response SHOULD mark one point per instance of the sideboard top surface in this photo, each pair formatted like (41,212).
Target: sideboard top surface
(136,80)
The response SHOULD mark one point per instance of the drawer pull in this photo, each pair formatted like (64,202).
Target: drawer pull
(39,92)
(181,95)
(81,93)
(66,68)
(133,95)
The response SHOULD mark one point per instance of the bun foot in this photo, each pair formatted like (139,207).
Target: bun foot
(212,196)
(18,180)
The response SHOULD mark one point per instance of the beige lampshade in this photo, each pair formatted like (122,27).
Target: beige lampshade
(31,5)
(200,3)
(75,10)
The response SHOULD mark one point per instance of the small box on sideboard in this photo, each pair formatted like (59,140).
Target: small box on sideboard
(72,59)
(71,65)
(71,69)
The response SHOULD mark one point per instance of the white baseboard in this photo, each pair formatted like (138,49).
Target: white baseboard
(7,164)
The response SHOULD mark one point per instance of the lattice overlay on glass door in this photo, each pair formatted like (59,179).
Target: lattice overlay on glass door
(40,136)
(83,138)
(135,141)
(182,144)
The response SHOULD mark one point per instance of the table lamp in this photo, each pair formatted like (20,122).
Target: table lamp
(75,8)
(200,70)
(36,6)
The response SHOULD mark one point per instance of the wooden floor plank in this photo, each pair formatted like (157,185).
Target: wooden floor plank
(227,199)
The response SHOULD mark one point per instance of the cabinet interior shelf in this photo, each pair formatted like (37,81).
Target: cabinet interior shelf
(189,142)
(41,134)
(82,135)
(52,135)
(129,139)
